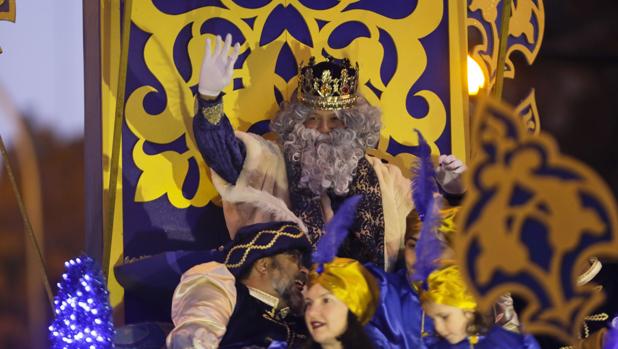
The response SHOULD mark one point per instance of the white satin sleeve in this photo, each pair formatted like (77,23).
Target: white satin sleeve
(396,205)
(202,305)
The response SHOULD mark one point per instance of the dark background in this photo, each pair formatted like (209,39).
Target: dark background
(576,80)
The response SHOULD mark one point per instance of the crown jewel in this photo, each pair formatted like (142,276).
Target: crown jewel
(328,85)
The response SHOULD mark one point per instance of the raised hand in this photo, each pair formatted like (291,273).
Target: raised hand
(449,174)
(217,66)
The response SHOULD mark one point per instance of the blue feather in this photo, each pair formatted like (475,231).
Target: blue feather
(611,337)
(428,248)
(423,173)
(336,231)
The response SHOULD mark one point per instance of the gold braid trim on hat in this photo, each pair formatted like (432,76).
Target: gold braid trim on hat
(252,246)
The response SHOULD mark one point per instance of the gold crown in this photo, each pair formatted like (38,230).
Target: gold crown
(329,85)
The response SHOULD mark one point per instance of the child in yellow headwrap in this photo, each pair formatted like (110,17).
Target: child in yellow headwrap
(447,300)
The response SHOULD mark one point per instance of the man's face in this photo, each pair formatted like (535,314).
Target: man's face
(288,277)
(323,121)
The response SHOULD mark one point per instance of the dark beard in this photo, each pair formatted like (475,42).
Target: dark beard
(293,296)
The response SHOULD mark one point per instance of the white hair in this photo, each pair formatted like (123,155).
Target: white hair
(327,160)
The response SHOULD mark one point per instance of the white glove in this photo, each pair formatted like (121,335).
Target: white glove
(217,66)
(449,174)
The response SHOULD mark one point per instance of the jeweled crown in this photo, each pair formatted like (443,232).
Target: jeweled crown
(329,85)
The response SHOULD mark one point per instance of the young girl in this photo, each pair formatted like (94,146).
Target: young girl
(340,300)
(457,321)
(342,296)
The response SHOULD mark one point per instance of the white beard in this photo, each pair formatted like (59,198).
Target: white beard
(327,161)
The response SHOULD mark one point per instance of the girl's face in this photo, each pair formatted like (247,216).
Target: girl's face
(450,322)
(325,315)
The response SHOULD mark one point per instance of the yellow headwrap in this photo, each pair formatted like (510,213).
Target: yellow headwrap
(447,223)
(352,284)
(446,286)
(446,229)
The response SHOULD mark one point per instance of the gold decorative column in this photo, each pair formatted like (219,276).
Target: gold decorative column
(7,12)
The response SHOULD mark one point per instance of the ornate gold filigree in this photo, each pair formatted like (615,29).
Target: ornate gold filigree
(7,14)
(529,113)
(526,28)
(163,173)
(529,217)
(213,114)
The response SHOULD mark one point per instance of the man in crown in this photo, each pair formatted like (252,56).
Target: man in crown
(320,159)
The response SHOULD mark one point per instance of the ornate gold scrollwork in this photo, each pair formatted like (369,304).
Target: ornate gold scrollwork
(529,113)
(164,173)
(7,12)
(526,28)
(530,216)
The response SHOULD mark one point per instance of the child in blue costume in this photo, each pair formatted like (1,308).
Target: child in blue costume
(447,300)
(399,321)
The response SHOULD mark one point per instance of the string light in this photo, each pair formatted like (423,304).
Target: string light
(83,313)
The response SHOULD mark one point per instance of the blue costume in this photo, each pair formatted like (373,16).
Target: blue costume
(222,151)
(399,321)
(496,338)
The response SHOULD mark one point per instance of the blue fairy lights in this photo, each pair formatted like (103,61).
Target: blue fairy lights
(83,315)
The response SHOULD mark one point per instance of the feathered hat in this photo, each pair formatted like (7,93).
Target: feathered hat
(441,285)
(429,248)
(263,240)
(345,278)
